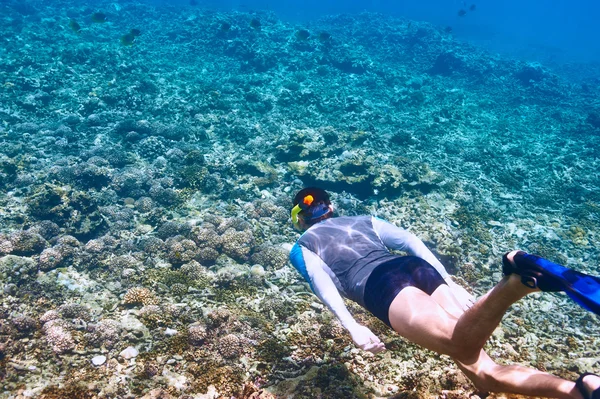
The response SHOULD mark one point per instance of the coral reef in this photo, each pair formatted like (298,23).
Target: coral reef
(140,296)
(230,346)
(16,268)
(197,334)
(106,333)
(145,194)
(58,336)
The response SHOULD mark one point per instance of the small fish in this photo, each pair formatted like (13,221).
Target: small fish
(462,13)
(473,7)
(255,23)
(324,37)
(99,17)
(128,39)
(448,29)
(302,34)
(74,26)
(225,27)
(135,32)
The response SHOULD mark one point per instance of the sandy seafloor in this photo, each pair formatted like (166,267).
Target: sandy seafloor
(145,191)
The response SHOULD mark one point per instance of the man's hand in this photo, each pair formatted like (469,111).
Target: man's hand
(464,299)
(365,339)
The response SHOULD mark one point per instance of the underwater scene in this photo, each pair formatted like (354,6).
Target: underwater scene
(150,152)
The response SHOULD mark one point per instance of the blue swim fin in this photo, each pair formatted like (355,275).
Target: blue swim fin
(582,288)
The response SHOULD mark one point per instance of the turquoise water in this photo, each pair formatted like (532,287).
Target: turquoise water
(149,155)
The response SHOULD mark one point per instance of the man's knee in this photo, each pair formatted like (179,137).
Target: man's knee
(485,383)
(481,372)
(465,355)
(463,352)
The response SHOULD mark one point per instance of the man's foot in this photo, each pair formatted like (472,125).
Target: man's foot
(514,281)
(589,386)
(511,256)
(535,272)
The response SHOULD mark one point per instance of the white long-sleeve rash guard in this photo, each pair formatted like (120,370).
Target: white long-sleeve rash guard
(337,256)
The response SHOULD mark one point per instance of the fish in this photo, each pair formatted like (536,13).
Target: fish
(302,34)
(135,32)
(225,27)
(99,17)
(75,27)
(462,13)
(128,39)
(473,7)
(193,2)
(255,23)
(448,29)
(324,37)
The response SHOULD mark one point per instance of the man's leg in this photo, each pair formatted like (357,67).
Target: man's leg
(418,317)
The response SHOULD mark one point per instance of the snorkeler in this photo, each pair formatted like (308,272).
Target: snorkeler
(415,296)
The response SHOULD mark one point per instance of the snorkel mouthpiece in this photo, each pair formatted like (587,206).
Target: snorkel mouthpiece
(295,211)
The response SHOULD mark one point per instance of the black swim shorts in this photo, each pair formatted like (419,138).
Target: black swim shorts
(391,277)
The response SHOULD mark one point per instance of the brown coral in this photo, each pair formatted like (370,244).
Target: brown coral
(24,324)
(206,237)
(218,317)
(152,315)
(58,336)
(251,391)
(151,368)
(181,250)
(237,244)
(208,256)
(197,335)
(230,346)
(229,379)
(140,296)
(271,257)
(50,258)
(107,332)
(179,289)
(331,330)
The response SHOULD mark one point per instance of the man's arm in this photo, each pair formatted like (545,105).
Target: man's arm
(313,269)
(396,238)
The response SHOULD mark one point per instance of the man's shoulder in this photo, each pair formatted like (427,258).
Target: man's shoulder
(331,225)
(347,219)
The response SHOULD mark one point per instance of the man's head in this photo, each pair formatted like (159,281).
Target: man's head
(311,205)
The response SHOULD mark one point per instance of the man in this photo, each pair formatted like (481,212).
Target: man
(415,296)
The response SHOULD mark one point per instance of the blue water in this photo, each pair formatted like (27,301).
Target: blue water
(545,30)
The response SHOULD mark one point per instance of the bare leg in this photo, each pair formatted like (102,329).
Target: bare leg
(418,317)
(475,326)
(444,296)
(421,319)
(491,377)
